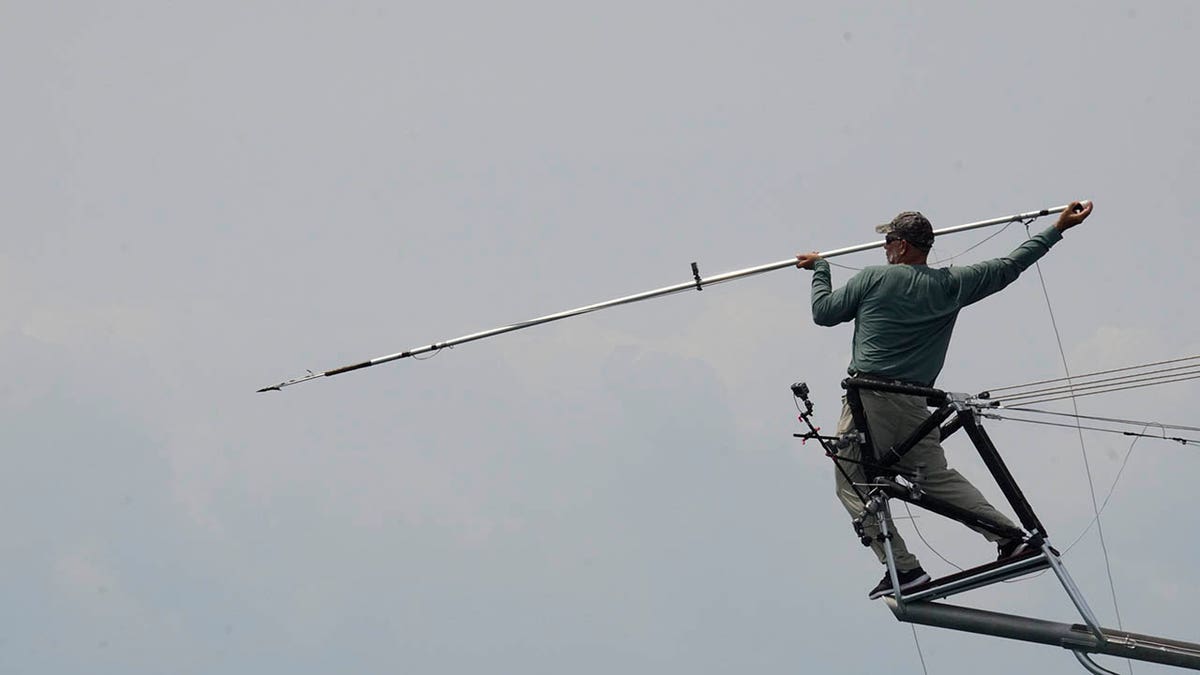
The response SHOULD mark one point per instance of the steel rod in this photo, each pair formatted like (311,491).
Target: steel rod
(696,283)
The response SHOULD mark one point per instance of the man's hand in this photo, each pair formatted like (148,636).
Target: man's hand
(806,260)
(1076,213)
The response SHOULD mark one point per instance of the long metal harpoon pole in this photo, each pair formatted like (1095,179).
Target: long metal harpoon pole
(697,283)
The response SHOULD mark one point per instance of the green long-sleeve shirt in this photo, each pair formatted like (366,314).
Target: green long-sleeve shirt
(904,314)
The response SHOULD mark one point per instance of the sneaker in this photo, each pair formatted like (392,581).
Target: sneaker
(909,579)
(1012,549)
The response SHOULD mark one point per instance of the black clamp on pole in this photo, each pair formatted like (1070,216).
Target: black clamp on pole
(696,275)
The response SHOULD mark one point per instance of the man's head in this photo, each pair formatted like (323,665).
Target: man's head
(908,238)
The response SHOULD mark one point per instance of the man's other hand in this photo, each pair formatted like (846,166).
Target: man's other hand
(806,260)
(1076,213)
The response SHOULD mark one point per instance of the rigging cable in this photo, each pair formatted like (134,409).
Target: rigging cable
(1082,448)
(936,552)
(1142,434)
(1116,420)
(1080,392)
(913,626)
(1111,490)
(1191,369)
(1101,372)
(1149,378)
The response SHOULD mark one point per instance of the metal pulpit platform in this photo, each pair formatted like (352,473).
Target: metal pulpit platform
(885,481)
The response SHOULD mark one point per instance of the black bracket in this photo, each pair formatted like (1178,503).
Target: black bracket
(948,418)
(696,275)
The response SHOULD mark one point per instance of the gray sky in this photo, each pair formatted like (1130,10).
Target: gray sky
(205,198)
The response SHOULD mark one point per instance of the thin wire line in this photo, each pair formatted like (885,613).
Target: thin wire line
(1107,382)
(1083,451)
(924,541)
(1184,441)
(919,654)
(981,242)
(1100,372)
(1108,391)
(1161,425)
(1111,490)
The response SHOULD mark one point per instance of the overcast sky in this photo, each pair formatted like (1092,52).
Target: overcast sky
(201,199)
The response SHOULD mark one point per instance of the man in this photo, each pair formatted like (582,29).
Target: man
(904,314)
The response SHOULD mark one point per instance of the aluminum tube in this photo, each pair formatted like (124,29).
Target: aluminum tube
(991,623)
(737,274)
(659,292)
(689,285)
(1074,637)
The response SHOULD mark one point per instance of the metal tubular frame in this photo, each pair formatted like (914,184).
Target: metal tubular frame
(964,416)
(916,605)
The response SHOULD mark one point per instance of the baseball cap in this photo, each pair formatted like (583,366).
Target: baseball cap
(910,226)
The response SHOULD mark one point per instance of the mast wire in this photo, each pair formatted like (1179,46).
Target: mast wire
(1115,420)
(1082,448)
(1164,437)
(918,643)
(1153,377)
(1101,372)
(1079,393)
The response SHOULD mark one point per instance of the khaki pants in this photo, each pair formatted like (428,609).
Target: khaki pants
(892,417)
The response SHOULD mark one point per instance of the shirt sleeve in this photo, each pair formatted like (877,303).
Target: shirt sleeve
(830,307)
(980,280)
